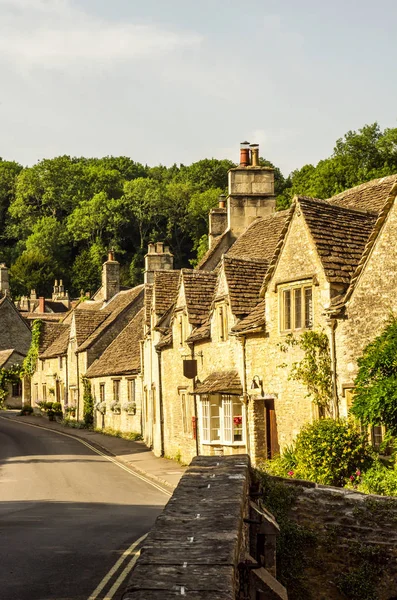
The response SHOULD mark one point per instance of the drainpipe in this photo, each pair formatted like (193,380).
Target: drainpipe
(245,395)
(66,400)
(78,385)
(195,405)
(161,404)
(332,325)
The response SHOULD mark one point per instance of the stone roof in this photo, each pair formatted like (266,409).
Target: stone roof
(220,381)
(340,235)
(254,322)
(203,332)
(123,355)
(109,313)
(244,280)
(165,341)
(164,290)
(48,334)
(221,245)
(5,355)
(86,321)
(14,329)
(369,196)
(199,289)
(56,307)
(89,304)
(260,239)
(59,346)
(338,302)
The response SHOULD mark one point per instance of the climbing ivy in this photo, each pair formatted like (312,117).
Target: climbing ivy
(30,362)
(314,370)
(88,403)
(7,376)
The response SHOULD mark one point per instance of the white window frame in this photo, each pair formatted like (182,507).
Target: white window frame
(226,417)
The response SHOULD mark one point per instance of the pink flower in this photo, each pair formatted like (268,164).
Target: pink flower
(351,477)
(290,473)
(358,473)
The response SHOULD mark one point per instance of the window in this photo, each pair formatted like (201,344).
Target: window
(154,406)
(61,362)
(36,392)
(296,308)
(222,419)
(116,390)
(17,388)
(376,436)
(222,323)
(186,405)
(102,392)
(44,387)
(131,390)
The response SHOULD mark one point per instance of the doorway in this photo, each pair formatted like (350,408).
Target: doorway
(272,446)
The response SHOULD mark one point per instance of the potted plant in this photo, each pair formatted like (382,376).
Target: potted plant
(130,408)
(115,407)
(101,407)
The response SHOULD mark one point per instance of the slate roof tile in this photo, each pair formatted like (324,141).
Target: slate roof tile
(59,346)
(220,381)
(123,355)
(244,279)
(164,290)
(48,334)
(255,321)
(199,289)
(368,196)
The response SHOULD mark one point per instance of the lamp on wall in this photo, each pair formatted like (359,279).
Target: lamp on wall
(257,384)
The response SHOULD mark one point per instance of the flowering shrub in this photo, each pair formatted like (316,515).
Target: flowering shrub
(379,479)
(101,407)
(115,407)
(329,452)
(130,408)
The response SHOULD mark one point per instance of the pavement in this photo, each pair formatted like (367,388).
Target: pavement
(136,455)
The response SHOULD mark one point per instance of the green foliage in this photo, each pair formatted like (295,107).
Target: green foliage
(314,370)
(88,403)
(30,362)
(366,566)
(7,376)
(375,397)
(329,451)
(126,435)
(379,479)
(294,543)
(26,410)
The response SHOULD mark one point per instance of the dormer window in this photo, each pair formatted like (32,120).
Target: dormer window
(296,307)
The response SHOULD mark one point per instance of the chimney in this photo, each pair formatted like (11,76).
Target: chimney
(217,221)
(41,304)
(4,283)
(158,258)
(251,191)
(110,277)
(33,295)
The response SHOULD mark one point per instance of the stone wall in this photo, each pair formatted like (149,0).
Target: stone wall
(199,545)
(346,541)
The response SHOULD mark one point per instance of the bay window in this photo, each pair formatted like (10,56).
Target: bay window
(222,419)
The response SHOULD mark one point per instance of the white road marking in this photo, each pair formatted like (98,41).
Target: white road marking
(121,577)
(115,568)
(109,458)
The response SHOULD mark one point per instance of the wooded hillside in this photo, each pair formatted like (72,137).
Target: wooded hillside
(59,217)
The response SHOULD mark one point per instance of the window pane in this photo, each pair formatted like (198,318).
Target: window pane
(308,308)
(237,420)
(205,408)
(215,419)
(287,309)
(298,308)
(227,419)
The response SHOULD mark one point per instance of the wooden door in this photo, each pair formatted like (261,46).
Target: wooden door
(272,446)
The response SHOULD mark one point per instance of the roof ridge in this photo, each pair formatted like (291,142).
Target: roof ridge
(362,186)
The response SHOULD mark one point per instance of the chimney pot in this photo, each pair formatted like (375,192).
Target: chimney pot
(254,155)
(111,255)
(222,201)
(151,248)
(244,154)
(41,304)
(159,247)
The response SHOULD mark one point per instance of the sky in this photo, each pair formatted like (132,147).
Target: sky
(175,81)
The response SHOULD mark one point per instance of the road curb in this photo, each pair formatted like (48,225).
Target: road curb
(131,465)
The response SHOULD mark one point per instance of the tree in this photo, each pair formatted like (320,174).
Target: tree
(375,393)
(32,270)
(142,204)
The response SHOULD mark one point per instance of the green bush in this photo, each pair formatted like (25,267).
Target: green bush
(329,451)
(379,479)
(283,465)
(26,410)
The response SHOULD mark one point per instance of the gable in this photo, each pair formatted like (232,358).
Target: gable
(222,288)
(15,333)
(181,299)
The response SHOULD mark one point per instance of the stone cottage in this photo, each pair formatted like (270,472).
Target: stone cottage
(15,338)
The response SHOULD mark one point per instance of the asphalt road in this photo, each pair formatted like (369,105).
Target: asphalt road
(67,515)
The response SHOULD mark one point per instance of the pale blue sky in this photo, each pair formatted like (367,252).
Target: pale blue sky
(167,81)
